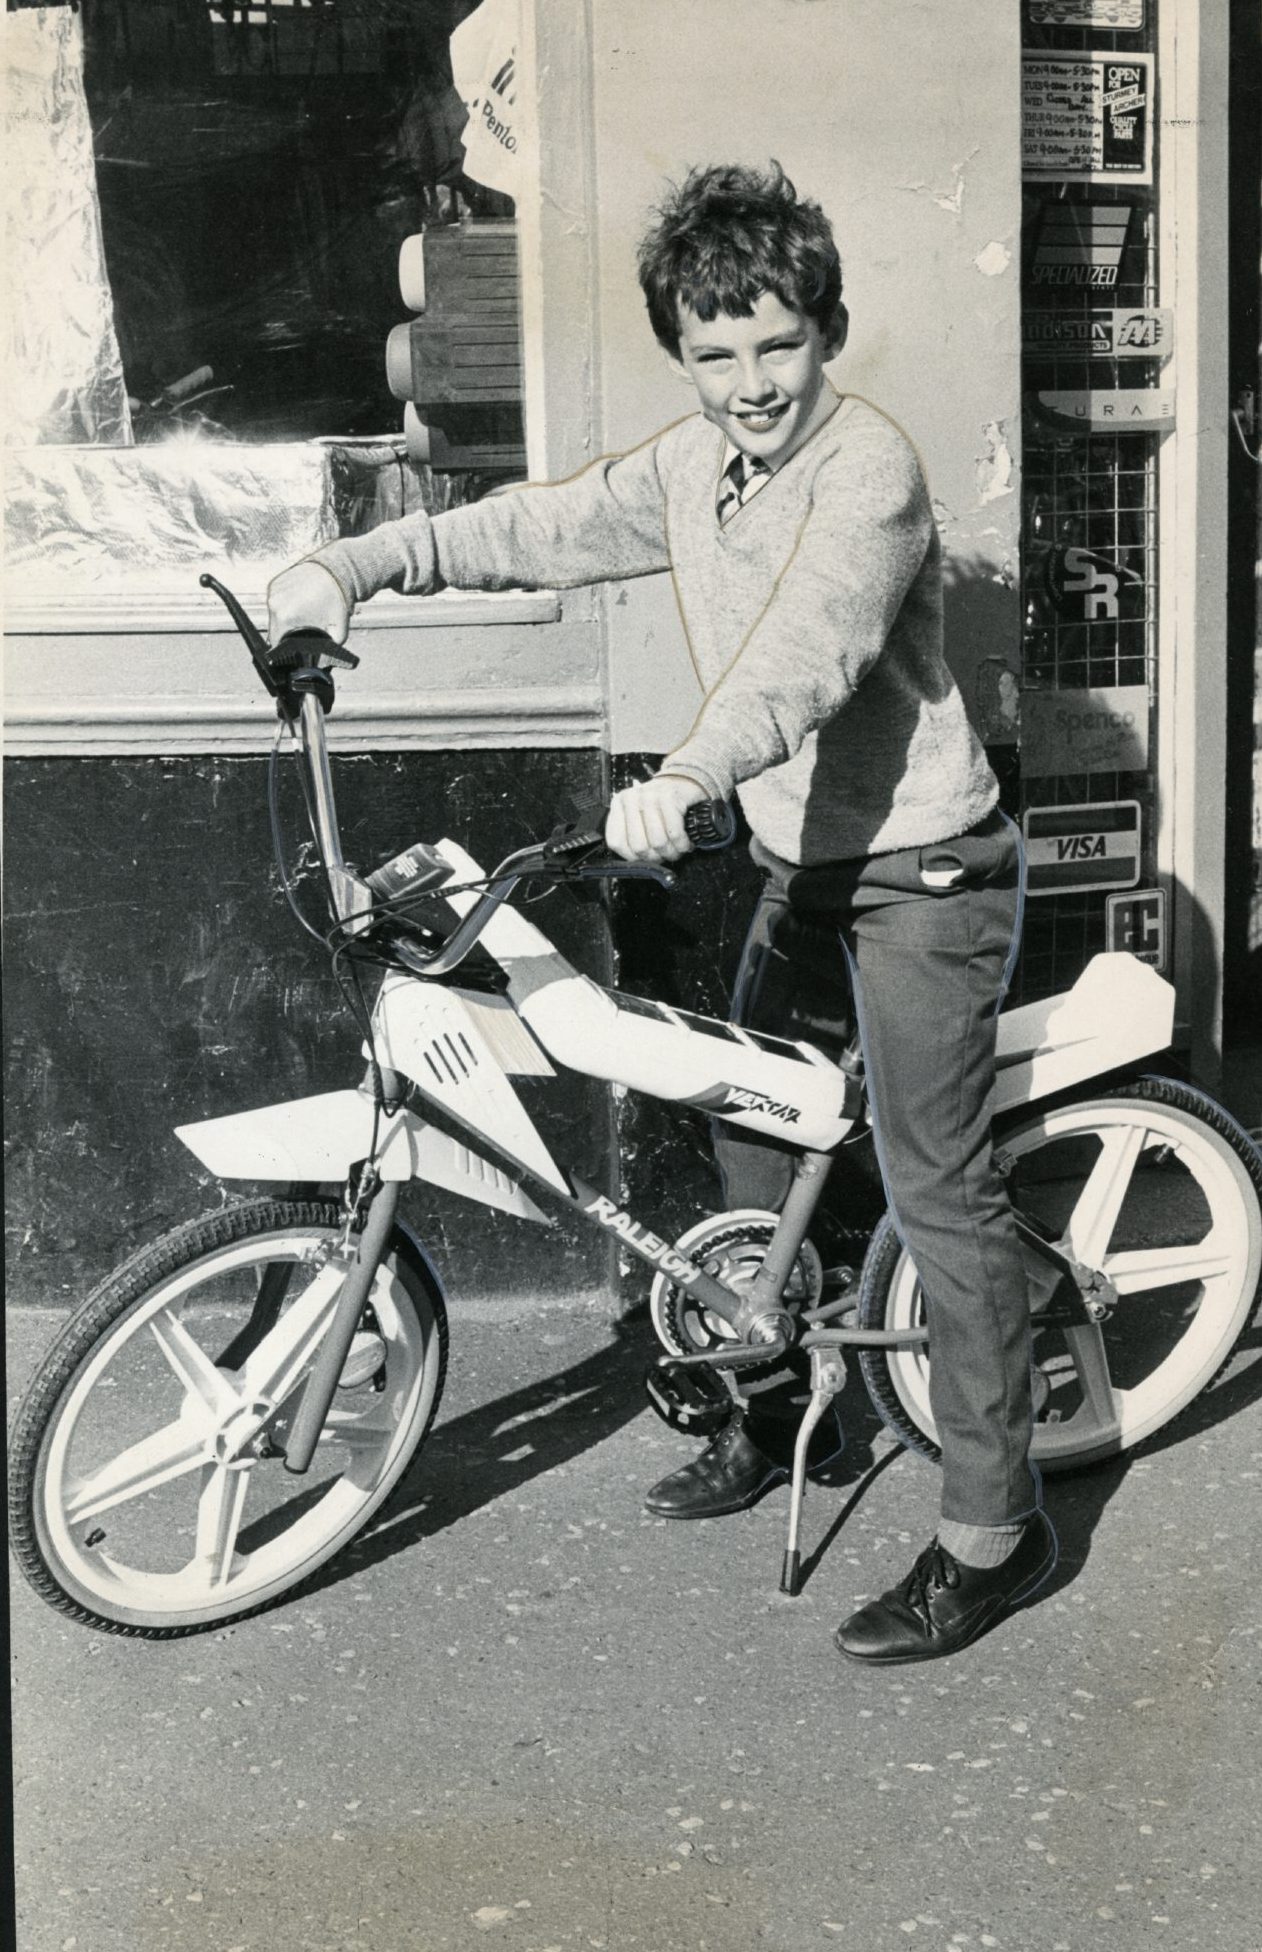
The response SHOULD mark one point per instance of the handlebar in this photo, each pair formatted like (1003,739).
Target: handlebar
(295,672)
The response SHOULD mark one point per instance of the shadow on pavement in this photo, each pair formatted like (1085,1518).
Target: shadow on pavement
(491,1451)
(1076,1499)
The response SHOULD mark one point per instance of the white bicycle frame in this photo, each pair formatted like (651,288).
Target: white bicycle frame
(460,1049)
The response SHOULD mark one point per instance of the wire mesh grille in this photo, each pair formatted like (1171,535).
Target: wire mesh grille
(1094,493)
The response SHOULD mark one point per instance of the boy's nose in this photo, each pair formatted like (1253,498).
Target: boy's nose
(756,385)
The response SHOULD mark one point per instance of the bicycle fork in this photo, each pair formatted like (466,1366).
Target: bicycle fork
(335,1344)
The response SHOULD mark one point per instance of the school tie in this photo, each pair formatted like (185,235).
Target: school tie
(743,476)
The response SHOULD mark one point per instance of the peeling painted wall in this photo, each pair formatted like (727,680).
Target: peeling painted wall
(909,136)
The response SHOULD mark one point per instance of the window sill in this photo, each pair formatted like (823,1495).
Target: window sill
(144,611)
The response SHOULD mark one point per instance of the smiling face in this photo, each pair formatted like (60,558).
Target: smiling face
(760,379)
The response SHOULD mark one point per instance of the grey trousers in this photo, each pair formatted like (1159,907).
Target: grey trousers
(925,962)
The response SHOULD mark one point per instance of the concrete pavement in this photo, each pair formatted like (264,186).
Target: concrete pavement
(524,1715)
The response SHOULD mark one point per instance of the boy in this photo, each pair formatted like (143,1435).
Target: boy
(797,527)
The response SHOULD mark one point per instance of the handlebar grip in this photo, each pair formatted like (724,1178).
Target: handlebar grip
(710,824)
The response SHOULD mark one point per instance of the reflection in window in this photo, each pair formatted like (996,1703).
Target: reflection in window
(252,172)
(258,168)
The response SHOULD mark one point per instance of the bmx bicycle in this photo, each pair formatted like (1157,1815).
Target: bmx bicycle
(230,1408)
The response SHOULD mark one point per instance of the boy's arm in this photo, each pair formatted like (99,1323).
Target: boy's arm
(825,624)
(609,521)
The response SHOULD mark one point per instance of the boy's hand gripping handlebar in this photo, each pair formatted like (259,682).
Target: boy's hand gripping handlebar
(709,825)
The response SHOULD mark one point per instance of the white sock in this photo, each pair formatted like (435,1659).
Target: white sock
(980,1546)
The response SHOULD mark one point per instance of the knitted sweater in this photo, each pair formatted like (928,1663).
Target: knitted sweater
(814,618)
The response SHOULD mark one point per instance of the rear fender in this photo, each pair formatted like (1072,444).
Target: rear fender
(1117,1012)
(316,1140)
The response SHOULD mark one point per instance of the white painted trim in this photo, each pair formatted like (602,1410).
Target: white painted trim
(1192,478)
(529,210)
(558,715)
(141,611)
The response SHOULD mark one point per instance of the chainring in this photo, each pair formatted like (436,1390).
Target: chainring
(731,1247)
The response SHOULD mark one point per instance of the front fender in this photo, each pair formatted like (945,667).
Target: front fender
(319,1139)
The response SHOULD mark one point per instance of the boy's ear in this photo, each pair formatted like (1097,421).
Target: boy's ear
(839,333)
(676,365)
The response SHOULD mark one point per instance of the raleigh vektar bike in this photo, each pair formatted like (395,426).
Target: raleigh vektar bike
(233,1404)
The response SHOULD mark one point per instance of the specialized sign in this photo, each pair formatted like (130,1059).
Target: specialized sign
(1130,332)
(1122,16)
(1079,247)
(1137,922)
(1110,410)
(1103,729)
(1079,849)
(1087,118)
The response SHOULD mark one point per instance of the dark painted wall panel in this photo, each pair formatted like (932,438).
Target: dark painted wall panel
(154,975)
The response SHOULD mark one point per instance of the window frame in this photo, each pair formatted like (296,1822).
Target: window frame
(82,669)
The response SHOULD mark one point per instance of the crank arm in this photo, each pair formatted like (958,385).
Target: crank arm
(737,1356)
(865,1338)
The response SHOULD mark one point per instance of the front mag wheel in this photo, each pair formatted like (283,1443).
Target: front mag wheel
(1157,1190)
(147,1489)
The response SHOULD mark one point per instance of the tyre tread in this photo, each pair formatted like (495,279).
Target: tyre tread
(886,1249)
(127,1284)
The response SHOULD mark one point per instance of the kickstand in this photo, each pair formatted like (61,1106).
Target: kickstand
(828,1378)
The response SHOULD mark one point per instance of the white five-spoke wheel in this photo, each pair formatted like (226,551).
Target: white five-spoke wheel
(148,1492)
(1156,1191)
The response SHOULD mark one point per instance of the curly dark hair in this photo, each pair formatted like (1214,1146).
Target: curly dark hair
(726,235)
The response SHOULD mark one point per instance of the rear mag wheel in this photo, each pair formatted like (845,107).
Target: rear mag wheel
(1157,1188)
(147,1492)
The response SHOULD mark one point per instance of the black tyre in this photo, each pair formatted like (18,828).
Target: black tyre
(147,1494)
(1157,1188)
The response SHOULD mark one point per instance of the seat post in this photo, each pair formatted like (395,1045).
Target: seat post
(810,1174)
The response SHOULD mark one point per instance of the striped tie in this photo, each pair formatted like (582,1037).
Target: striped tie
(743,476)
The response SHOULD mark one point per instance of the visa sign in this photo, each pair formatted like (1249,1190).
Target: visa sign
(1077,849)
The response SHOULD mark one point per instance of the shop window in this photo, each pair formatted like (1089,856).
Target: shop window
(254,171)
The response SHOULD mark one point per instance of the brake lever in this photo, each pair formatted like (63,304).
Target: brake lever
(628,871)
(255,642)
(564,851)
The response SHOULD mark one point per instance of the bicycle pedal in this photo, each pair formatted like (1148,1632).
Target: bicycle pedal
(691,1400)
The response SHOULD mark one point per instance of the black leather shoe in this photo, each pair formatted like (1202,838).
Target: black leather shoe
(732,1474)
(941,1605)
